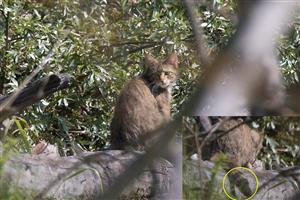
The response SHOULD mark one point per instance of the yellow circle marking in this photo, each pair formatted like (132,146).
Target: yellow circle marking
(244,168)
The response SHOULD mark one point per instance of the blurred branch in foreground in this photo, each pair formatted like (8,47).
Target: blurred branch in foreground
(245,78)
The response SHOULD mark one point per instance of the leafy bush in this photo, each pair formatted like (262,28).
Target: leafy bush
(101,45)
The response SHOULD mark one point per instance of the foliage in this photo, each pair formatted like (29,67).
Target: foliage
(290,54)
(101,45)
(281,142)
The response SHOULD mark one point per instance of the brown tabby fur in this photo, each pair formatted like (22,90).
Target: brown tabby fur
(144,104)
(241,145)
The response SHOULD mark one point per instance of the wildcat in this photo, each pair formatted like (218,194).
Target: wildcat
(241,146)
(144,104)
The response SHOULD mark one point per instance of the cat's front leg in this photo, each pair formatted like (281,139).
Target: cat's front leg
(163,103)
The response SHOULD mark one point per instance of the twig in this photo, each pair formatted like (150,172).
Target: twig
(2,13)
(5,50)
(199,152)
(134,50)
(202,52)
(231,129)
(211,131)
(190,130)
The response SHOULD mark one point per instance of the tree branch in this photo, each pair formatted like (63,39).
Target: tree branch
(89,174)
(33,93)
(202,53)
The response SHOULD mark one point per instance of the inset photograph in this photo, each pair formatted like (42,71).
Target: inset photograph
(241,158)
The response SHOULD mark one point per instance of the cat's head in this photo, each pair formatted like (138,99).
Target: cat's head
(161,74)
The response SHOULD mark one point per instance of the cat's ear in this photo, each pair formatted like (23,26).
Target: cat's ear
(172,60)
(150,61)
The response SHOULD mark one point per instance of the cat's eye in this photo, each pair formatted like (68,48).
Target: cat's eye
(169,73)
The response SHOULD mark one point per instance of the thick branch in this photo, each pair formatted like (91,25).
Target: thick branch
(86,176)
(33,93)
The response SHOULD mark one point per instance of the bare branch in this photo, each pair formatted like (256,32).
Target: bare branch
(33,93)
(202,52)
